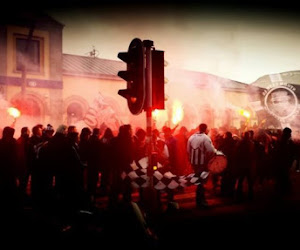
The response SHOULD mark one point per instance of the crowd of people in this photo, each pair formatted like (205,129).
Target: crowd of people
(64,170)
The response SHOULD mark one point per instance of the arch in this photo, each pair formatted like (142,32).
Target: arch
(75,108)
(32,107)
(30,104)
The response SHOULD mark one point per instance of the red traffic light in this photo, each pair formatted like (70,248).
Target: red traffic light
(158,79)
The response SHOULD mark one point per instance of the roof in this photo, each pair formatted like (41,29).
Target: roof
(205,80)
(292,77)
(86,66)
(95,67)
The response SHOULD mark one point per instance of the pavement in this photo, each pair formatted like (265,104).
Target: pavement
(267,220)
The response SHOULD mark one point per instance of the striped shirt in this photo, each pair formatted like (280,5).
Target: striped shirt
(200,149)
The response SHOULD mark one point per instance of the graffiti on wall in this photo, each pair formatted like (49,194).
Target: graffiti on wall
(103,112)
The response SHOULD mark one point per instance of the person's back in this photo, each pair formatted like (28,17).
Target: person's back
(245,165)
(228,178)
(286,153)
(122,158)
(139,144)
(92,149)
(200,150)
(106,159)
(245,152)
(161,149)
(23,159)
(8,170)
(287,147)
(183,163)
(172,146)
(8,153)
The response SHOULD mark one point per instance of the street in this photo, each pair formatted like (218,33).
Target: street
(266,220)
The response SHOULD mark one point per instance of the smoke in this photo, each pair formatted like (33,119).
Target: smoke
(205,98)
(5,118)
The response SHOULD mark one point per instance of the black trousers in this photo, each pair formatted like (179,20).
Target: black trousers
(200,191)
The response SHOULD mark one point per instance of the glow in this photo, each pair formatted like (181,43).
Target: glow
(159,117)
(155,113)
(177,115)
(133,99)
(245,113)
(154,168)
(15,113)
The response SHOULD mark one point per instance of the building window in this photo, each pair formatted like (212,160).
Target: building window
(29,53)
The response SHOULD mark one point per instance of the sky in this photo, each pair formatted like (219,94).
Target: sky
(238,42)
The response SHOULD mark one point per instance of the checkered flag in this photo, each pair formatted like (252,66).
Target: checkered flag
(162,178)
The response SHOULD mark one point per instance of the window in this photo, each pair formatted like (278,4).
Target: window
(29,52)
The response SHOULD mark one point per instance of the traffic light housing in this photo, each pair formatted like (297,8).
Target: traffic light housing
(134,76)
(158,79)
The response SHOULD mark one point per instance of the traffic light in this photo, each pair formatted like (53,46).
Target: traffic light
(158,80)
(134,75)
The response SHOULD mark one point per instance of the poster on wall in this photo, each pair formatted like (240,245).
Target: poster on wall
(277,106)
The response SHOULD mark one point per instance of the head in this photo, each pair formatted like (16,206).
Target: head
(85,133)
(125,130)
(62,129)
(141,134)
(25,132)
(155,134)
(96,132)
(251,134)
(280,97)
(108,133)
(287,133)
(203,128)
(8,133)
(183,130)
(167,132)
(37,130)
(246,136)
(72,129)
(48,131)
(228,134)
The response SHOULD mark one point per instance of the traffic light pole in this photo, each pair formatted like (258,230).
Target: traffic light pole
(151,199)
(145,91)
(148,45)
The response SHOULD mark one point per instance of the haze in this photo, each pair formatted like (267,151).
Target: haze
(237,43)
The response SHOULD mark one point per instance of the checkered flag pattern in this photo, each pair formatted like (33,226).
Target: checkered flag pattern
(162,178)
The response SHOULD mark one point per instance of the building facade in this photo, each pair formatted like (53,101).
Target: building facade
(48,86)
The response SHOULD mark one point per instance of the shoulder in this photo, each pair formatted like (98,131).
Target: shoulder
(206,137)
(195,135)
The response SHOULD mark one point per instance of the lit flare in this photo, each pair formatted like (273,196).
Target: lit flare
(245,113)
(15,113)
(177,115)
